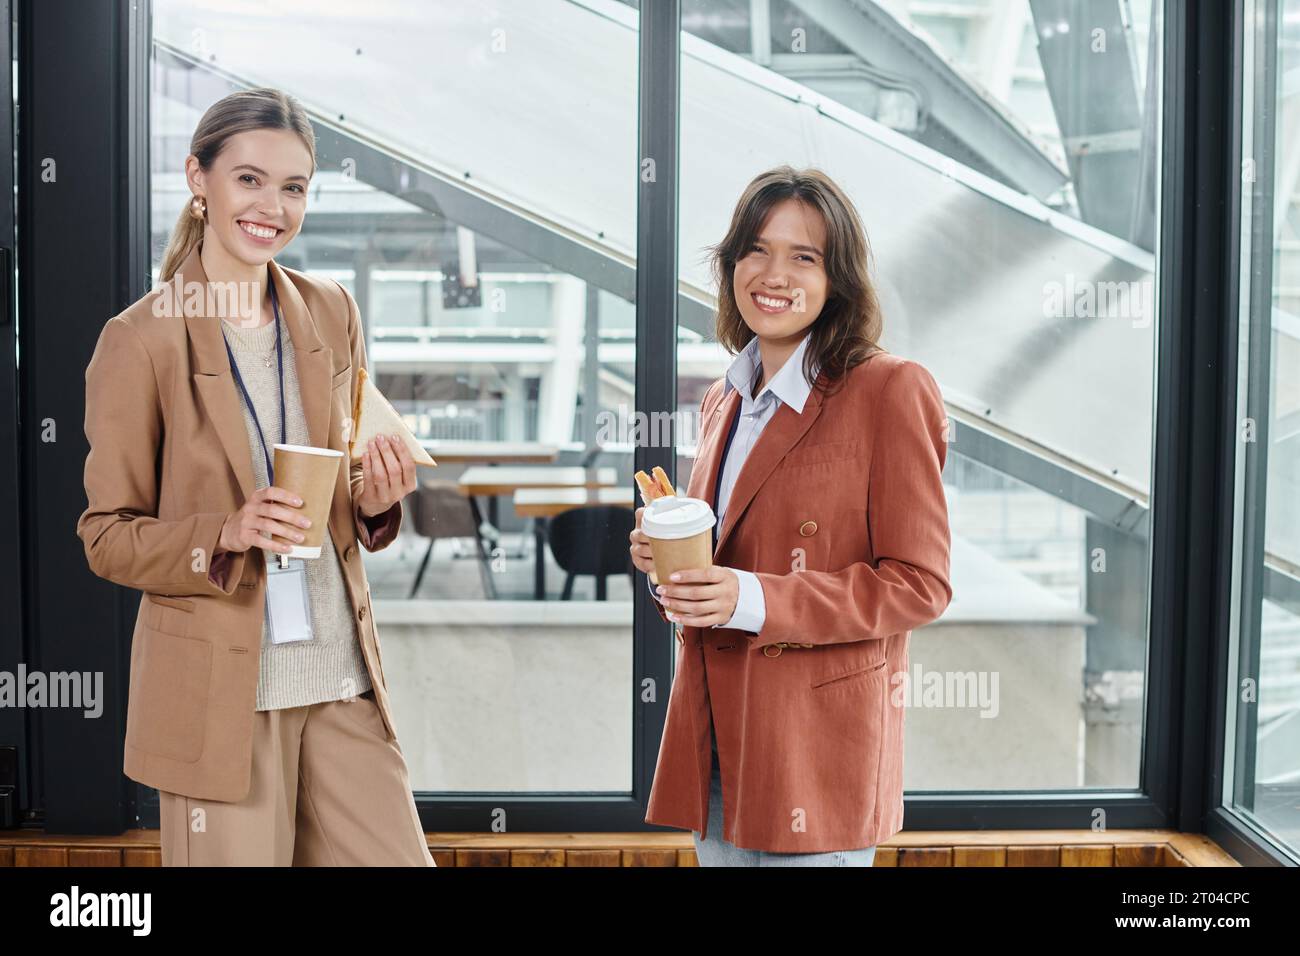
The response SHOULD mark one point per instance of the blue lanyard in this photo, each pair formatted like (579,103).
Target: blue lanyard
(279,355)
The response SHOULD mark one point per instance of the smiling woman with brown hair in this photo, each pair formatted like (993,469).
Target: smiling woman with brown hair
(268,734)
(821,455)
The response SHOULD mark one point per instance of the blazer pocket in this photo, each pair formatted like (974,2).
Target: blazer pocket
(848,674)
(168,705)
(820,454)
(342,377)
(170,615)
(182,604)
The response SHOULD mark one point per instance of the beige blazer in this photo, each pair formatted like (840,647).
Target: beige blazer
(169,460)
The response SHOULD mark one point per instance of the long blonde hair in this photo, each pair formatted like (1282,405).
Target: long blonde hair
(236,113)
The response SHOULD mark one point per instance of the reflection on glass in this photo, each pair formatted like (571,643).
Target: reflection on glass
(476,194)
(1004,165)
(1262,749)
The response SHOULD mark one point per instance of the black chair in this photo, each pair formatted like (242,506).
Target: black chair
(588,461)
(592,540)
(439,510)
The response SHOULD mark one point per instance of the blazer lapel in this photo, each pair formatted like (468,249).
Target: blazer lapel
(313,358)
(215,385)
(315,366)
(213,382)
(780,434)
(708,453)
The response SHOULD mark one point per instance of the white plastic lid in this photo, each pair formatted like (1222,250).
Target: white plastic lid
(676,516)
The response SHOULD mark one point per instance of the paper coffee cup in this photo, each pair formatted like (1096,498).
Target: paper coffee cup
(310,473)
(680,530)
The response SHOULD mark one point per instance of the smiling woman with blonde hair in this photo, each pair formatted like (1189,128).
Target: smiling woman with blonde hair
(264,724)
(821,455)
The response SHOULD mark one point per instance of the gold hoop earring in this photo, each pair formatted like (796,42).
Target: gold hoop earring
(199,208)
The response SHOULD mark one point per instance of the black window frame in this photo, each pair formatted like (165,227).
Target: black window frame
(72,773)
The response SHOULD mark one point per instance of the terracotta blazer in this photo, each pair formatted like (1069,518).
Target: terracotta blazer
(840,511)
(169,460)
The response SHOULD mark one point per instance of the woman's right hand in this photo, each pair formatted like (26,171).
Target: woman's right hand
(642,557)
(270,509)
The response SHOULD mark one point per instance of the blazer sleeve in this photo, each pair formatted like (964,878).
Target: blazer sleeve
(124,540)
(706,408)
(378,531)
(907,519)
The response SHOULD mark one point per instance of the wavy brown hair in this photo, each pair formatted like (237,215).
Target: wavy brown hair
(847,331)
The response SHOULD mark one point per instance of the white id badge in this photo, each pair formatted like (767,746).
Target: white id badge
(288,611)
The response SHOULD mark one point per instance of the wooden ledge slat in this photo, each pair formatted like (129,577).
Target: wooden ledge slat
(650,857)
(1147,854)
(1199,850)
(94,856)
(1033,856)
(595,857)
(979,856)
(537,857)
(1076,855)
(1086,847)
(924,856)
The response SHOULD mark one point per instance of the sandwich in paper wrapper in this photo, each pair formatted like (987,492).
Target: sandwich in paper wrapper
(374,415)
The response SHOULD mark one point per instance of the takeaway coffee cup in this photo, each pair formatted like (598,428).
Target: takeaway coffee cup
(680,530)
(310,473)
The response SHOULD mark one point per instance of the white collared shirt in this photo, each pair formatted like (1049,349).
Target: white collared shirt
(788,386)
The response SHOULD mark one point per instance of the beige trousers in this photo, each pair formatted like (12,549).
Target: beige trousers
(328,789)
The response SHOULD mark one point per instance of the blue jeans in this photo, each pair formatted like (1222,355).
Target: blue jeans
(715,851)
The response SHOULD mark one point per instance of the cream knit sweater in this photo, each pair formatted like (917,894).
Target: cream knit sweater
(330,665)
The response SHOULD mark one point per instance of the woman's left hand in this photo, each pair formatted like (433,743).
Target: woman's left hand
(389,475)
(701,598)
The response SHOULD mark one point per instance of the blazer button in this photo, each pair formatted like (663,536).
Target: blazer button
(347,555)
(808,528)
(361,614)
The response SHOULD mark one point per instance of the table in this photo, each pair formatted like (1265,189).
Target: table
(508,479)
(490,452)
(541,504)
(549,502)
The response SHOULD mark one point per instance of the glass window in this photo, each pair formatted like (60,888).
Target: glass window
(1021,274)
(1262,749)
(477,195)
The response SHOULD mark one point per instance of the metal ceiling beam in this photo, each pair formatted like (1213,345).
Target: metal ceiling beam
(982,125)
(1091,72)
(518,229)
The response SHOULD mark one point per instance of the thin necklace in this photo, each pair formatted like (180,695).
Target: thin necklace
(267,361)
(271,352)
